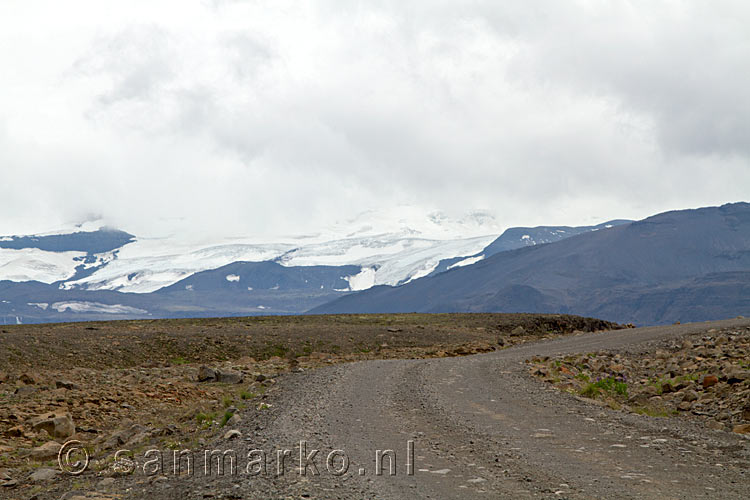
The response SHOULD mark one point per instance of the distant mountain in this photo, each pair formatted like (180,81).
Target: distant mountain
(680,265)
(91,242)
(237,289)
(519,237)
(83,274)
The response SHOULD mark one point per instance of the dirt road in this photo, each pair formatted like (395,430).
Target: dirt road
(480,427)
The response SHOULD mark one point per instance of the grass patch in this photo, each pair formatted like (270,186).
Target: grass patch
(205,420)
(278,350)
(247,395)
(608,385)
(179,360)
(652,412)
(225,418)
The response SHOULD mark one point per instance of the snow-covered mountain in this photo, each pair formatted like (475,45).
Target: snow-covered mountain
(388,248)
(91,271)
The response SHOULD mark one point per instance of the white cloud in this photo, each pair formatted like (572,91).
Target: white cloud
(236,118)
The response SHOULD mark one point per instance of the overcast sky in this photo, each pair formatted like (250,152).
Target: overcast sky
(244,117)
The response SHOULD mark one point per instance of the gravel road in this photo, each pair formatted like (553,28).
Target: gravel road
(479,427)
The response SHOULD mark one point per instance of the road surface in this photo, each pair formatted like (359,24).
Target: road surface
(470,427)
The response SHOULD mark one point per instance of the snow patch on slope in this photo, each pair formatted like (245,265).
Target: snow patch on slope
(467,262)
(95,307)
(147,265)
(362,281)
(32,264)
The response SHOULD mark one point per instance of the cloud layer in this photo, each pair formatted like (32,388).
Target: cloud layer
(250,118)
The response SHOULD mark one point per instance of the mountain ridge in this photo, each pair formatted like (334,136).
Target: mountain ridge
(582,272)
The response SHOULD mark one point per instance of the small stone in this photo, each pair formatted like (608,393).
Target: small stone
(741,429)
(519,330)
(24,390)
(690,396)
(737,377)
(46,451)
(16,431)
(42,475)
(206,374)
(260,377)
(66,384)
(229,377)
(651,390)
(714,425)
(234,433)
(709,381)
(105,483)
(9,484)
(29,379)
(685,406)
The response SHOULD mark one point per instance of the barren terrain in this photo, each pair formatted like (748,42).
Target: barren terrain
(177,384)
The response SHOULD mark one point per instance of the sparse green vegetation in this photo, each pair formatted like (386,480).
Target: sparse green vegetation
(225,418)
(609,385)
(205,420)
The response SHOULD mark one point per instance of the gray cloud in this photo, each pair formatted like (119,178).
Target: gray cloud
(234,118)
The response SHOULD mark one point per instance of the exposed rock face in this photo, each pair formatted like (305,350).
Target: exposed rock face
(233,434)
(66,384)
(229,376)
(206,374)
(42,475)
(57,425)
(46,451)
(129,434)
(29,379)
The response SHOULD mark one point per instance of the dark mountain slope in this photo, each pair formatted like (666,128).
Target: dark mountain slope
(520,237)
(99,241)
(657,270)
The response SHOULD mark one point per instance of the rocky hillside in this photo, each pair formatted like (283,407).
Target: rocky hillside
(688,265)
(706,377)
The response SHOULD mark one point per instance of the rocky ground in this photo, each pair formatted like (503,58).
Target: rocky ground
(481,426)
(705,376)
(178,384)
